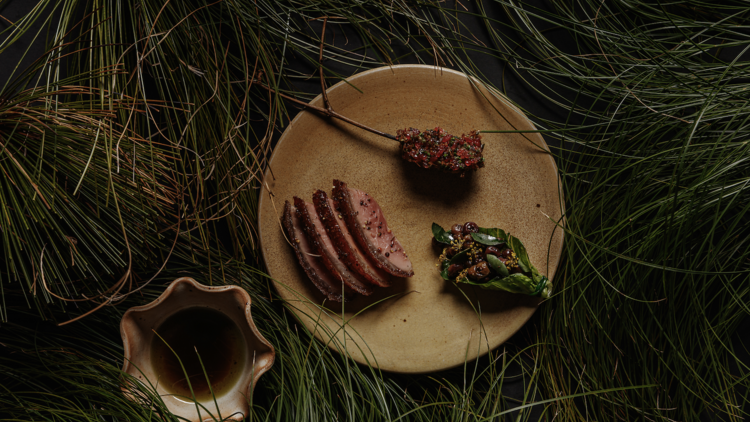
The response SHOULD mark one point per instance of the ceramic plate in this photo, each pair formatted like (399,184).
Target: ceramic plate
(424,324)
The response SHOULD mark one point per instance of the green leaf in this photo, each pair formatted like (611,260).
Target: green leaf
(544,286)
(518,283)
(461,256)
(514,283)
(529,281)
(486,239)
(497,265)
(444,271)
(521,254)
(494,232)
(523,266)
(441,235)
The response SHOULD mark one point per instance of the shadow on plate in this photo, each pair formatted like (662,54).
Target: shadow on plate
(433,186)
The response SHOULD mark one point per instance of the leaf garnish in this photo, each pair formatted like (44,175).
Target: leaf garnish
(441,235)
(447,263)
(497,265)
(528,281)
(494,232)
(486,239)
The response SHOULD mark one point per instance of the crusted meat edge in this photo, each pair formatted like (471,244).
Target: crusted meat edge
(331,291)
(342,197)
(346,253)
(349,278)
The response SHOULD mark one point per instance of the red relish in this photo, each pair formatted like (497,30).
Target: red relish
(441,150)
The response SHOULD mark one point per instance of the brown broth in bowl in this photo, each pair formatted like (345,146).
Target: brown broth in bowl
(219,343)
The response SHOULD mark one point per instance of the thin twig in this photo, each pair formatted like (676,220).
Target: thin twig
(326,103)
(7,20)
(329,113)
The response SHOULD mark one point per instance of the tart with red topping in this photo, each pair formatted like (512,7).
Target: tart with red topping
(438,149)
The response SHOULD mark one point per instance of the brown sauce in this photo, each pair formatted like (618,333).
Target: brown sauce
(219,343)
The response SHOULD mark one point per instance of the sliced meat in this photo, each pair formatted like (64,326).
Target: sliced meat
(311,263)
(346,247)
(323,246)
(366,222)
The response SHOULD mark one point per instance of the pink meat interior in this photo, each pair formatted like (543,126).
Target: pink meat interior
(307,250)
(370,216)
(320,228)
(355,246)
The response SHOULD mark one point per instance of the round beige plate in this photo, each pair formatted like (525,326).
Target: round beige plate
(423,323)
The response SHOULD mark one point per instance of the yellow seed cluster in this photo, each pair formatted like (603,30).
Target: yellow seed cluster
(512,262)
(462,276)
(474,252)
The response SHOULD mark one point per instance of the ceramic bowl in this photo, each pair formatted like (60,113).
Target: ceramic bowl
(252,355)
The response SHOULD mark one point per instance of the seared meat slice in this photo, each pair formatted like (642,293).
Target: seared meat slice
(366,222)
(311,263)
(323,246)
(346,247)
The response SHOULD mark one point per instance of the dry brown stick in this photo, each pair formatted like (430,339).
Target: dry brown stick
(326,103)
(329,113)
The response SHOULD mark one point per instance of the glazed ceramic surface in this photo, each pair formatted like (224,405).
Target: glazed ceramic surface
(137,330)
(428,324)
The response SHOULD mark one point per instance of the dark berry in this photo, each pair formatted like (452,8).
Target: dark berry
(454,269)
(478,271)
(478,258)
(468,242)
(457,231)
(470,227)
(492,250)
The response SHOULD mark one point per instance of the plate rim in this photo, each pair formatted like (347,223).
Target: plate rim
(265,196)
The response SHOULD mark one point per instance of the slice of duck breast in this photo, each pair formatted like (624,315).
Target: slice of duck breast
(311,263)
(366,222)
(323,246)
(346,247)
